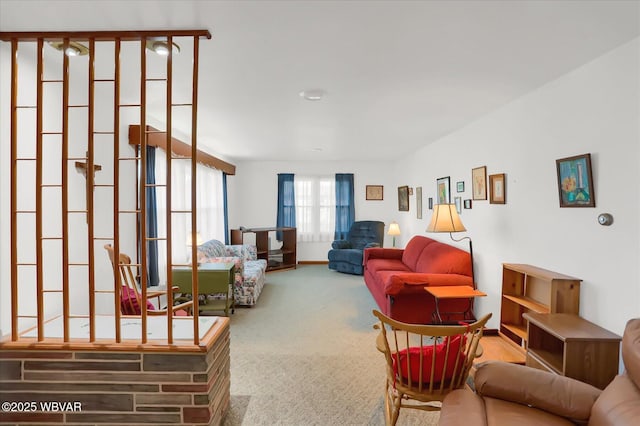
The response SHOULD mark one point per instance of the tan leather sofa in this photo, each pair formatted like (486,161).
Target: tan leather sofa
(510,394)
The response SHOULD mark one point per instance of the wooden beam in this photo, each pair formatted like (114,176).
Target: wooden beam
(99,35)
(158,138)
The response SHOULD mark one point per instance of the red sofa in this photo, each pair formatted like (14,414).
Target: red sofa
(396,278)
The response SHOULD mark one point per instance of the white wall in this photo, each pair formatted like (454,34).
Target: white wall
(253,195)
(594,109)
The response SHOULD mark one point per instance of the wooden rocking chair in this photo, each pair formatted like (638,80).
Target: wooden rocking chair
(425,362)
(131,296)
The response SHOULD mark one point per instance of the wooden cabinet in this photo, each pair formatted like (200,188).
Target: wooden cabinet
(529,289)
(571,346)
(282,258)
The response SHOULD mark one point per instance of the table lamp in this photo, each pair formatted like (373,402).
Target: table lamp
(445,218)
(394,230)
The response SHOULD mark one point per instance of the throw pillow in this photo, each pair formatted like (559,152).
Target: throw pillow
(129,303)
(213,248)
(411,358)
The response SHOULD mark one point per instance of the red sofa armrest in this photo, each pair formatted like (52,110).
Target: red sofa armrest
(415,281)
(381,253)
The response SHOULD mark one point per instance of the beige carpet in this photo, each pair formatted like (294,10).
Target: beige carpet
(305,354)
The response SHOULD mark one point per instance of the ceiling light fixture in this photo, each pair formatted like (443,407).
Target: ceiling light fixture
(312,95)
(72,48)
(161,47)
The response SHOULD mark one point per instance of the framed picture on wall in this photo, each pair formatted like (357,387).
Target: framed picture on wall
(403,198)
(419,202)
(430,203)
(375,192)
(467,203)
(575,181)
(443,190)
(479,183)
(497,189)
(460,186)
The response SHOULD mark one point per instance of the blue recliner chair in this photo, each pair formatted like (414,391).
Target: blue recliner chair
(346,255)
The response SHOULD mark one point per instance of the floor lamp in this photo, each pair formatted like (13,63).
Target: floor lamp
(445,218)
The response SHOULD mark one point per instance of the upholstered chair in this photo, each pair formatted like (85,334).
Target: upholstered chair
(250,271)
(346,255)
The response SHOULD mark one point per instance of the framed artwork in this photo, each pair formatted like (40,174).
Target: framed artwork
(497,189)
(419,202)
(460,186)
(403,198)
(467,204)
(575,181)
(479,183)
(443,190)
(458,202)
(375,192)
(430,203)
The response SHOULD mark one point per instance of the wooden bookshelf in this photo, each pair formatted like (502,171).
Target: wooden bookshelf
(283,258)
(529,289)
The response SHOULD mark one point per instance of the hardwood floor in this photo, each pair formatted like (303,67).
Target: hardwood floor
(497,348)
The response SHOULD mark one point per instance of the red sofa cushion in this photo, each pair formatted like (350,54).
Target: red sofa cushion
(393,265)
(411,358)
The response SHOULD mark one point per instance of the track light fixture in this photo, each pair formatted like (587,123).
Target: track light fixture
(72,48)
(161,47)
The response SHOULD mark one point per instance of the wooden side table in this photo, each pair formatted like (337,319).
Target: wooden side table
(571,346)
(454,292)
(213,278)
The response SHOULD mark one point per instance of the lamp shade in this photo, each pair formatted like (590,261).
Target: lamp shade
(445,219)
(394,229)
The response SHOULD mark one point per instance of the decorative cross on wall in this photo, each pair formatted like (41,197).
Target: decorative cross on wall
(81,167)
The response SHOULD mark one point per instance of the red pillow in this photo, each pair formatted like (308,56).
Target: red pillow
(411,356)
(129,303)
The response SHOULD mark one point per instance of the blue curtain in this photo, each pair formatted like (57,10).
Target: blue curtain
(286,203)
(345,207)
(225,209)
(152,219)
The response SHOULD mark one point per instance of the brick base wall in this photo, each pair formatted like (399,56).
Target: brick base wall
(116,387)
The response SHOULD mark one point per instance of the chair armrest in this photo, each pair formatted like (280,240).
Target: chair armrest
(382,253)
(556,394)
(371,245)
(462,407)
(414,282)
(341,244)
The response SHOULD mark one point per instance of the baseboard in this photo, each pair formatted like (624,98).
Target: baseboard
(313,262)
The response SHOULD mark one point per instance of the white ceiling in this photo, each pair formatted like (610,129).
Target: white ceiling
(398,74)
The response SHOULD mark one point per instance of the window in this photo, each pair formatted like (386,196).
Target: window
(315,208)
(210,204)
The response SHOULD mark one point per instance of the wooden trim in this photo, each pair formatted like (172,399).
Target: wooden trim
(207,341)
(90,183)
(142,195)
(38,192)
(194,194)
(14,190)
(65,195)
(99,35)
(159,139)
(116,187)
(169,228)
